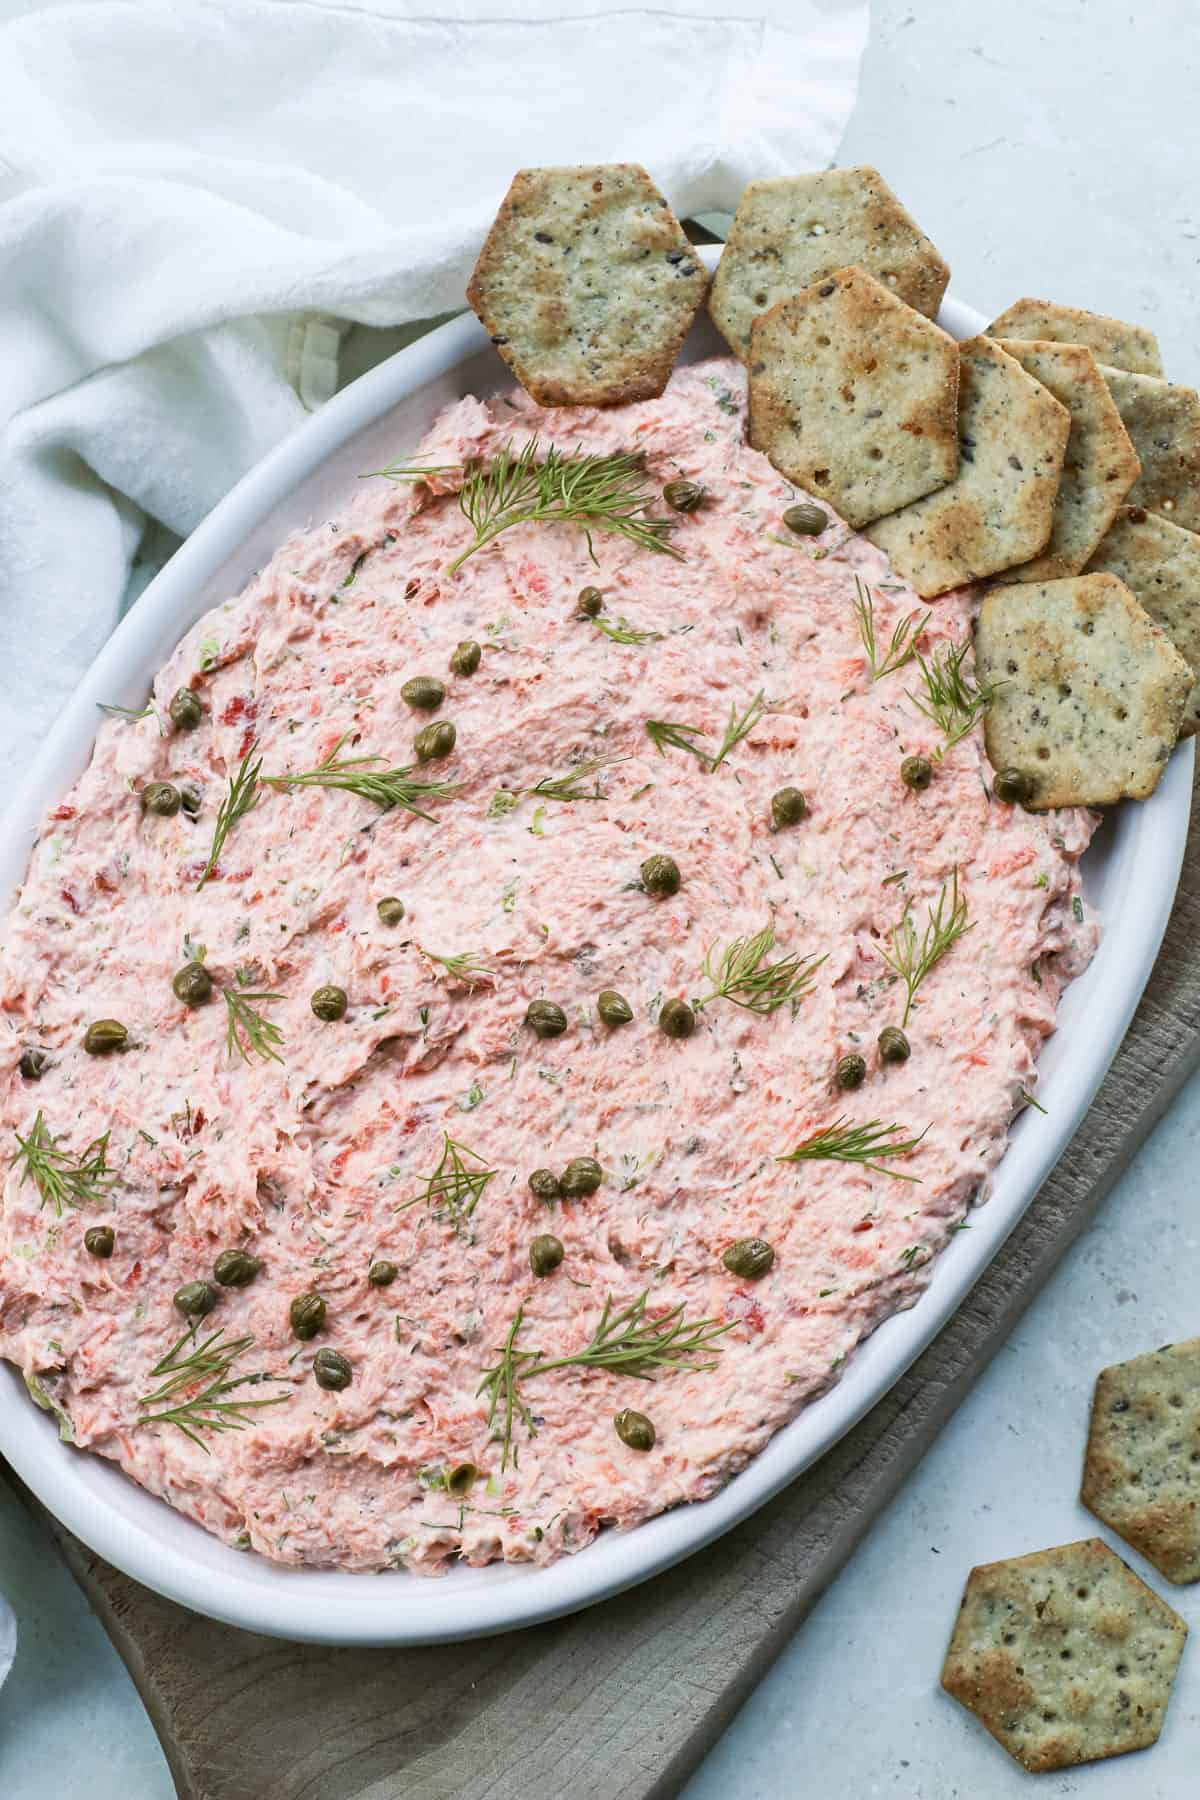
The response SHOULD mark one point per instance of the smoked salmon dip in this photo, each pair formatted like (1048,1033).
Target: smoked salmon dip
(268,1245)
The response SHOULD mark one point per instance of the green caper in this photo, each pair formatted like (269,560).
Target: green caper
(434,741)
(382,1274)
(806,520)
(307,1314)
(1013,786)
(196,1299)
(390,910)
(916,772)
(236,1268)
(545,1254)
(851,1071)
(425,693)
(190,798)
(749,1258)
(660,875)
(634,1429)
(613,1008)
(545,1019)
(544,1185)
(99,1240)
(192,984)
(186,710)
(331,1370)
(330,1003)
(893,1045)
(591,602)
(33,1063)
(465,659)
(461,1479)
(788,807)
(103,1036)
(581,1177)
(676,1019)
(683,496)
(162,799)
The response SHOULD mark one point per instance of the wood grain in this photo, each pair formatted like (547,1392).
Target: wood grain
(620,1702)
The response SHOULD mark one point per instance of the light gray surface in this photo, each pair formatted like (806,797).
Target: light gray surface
(1051,150)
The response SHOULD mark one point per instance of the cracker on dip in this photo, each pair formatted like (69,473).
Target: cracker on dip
(1141,1474)
(1160,565)
(796,229)
(998,511)
(1091,691)
(1112,341)
(1163,420)
(855,396)
(1100,465)
(1065,1656)
(587,284)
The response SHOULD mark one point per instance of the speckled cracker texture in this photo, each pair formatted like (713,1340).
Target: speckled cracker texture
(1141,1474)
(1163,421)
(1112,341)
(1160,565)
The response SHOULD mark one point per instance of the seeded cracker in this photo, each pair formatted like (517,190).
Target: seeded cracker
(853,395)
(1111,341)
(797,229)
(1163,421)
(1065,1656)
(1093,691)
(1160,565)
(1100,465)
(1142,1470)
(998,512)
(587,284)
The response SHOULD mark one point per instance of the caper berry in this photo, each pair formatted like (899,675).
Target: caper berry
(390,910)
(461,1479)
(423,692)
(382,1274)
(192,984)
(893,1045)
(185,710)
(749,1258)
(676,1019)
(660,875)
(162,799)
(33,1063)
(1013,786)
(544,1185)
(806,520)
(236,1268)
(591,602)
(851,1071)
(191,799)
(683,496)
(613,1008)
(307,1314)
(581,1177)
(465,659)
(196,1299)
(634,1429)
(545,1019)
(103,1036)
(788,807)
(916,772)
(545,1254)
(330,1003)
(331,1370)
(99,1240)
(434,741)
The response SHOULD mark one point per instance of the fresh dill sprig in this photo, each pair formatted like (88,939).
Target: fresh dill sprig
(1030,1101)
(624,1342)
(912,959)
(353,775)
(597,493)
(248,1030)
(569,786)
(867,1144)
(903,645)
(409,471)
(469,966)
(456,1186)
(952,701)
(744,976)
(206,1370)
(623,632)
(242,798)
(59,1176)
(132,715)
(740,726)
(665,732)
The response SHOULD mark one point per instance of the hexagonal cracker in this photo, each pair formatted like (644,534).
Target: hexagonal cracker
(1112,341)
(1065,1655)
(796,229)
(1163,421)
(587,284)
(1141,1474)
